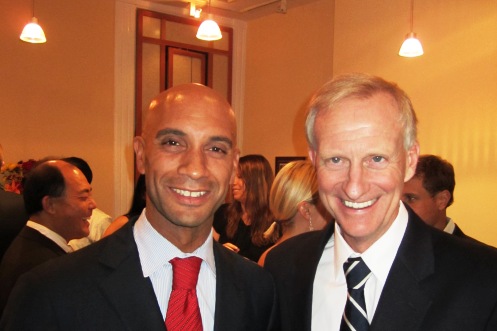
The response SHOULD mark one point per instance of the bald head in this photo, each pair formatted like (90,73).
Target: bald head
(194,99)
(58,196)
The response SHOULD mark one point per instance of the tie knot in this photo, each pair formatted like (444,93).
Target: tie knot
(185,272)
(356,273)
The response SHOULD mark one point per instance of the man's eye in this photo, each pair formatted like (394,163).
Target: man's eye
(218,150)
(334,162)
(170,142)
(378,158)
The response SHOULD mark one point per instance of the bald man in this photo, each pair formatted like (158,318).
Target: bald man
(58,200)
(189,155)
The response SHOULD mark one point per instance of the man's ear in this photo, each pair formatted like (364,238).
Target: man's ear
(48,204)
(139,147)
(442,199)
(411,161)
(312,156)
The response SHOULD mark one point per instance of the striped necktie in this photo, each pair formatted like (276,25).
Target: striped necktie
(355,317)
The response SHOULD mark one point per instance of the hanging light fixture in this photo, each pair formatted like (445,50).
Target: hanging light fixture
(209,30)
(411,47)
(32,32)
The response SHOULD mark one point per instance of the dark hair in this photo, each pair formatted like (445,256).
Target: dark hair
(139,194)
(257,174)
(437,175)
(82,165)
(45,179)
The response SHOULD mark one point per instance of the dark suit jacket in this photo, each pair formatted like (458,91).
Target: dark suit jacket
(13,217)
(102,287)
(458,232)
(437,282)
(29,249)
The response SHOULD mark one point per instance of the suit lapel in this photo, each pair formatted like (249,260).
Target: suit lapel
(403,304)
(131,294)
(229,294)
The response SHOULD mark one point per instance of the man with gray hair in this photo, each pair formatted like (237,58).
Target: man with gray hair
(379,267)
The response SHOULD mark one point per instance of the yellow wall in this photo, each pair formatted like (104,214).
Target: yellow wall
(288,56)
(57,99)
(453,86)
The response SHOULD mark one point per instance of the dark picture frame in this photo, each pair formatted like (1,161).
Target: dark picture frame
(281,161)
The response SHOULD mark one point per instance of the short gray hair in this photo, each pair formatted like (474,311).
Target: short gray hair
(360,86)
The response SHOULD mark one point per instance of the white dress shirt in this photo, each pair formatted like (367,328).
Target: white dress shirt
(99,222)
(330,286)
(155,252)
(54,236)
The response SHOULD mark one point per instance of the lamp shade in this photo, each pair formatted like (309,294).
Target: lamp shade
(33,33)
(411,47)
(209,30)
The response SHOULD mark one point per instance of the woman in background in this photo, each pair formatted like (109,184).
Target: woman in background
(137,205)
(241,224)
(294,202)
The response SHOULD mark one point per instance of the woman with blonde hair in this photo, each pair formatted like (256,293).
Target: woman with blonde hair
(294,202)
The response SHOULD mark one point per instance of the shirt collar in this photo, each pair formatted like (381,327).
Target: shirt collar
(450,227)
(54,236)
(155,251)
(379,257)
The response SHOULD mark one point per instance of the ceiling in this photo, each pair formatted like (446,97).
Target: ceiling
(239,9)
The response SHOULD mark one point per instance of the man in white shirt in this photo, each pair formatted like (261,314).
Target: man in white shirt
(58,200)
(361,132)
(431,191)
(189,156)
(99,220)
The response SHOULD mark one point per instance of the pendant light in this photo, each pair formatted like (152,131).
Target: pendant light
(32,32)
(411,47)
(209,30)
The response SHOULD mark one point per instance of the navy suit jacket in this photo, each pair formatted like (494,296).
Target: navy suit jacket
(437,282)
(29,249)
(102,287)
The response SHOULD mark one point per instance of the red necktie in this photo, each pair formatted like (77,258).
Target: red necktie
(183,312)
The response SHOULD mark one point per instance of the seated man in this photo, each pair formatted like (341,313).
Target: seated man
(58,200)
(431,191)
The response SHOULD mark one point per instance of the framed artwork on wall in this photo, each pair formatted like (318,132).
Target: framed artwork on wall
(280,161)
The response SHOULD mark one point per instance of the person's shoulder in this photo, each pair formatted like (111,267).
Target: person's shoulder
(221,210)
(220,220)
(232,262)
(295,244)
(465,251)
